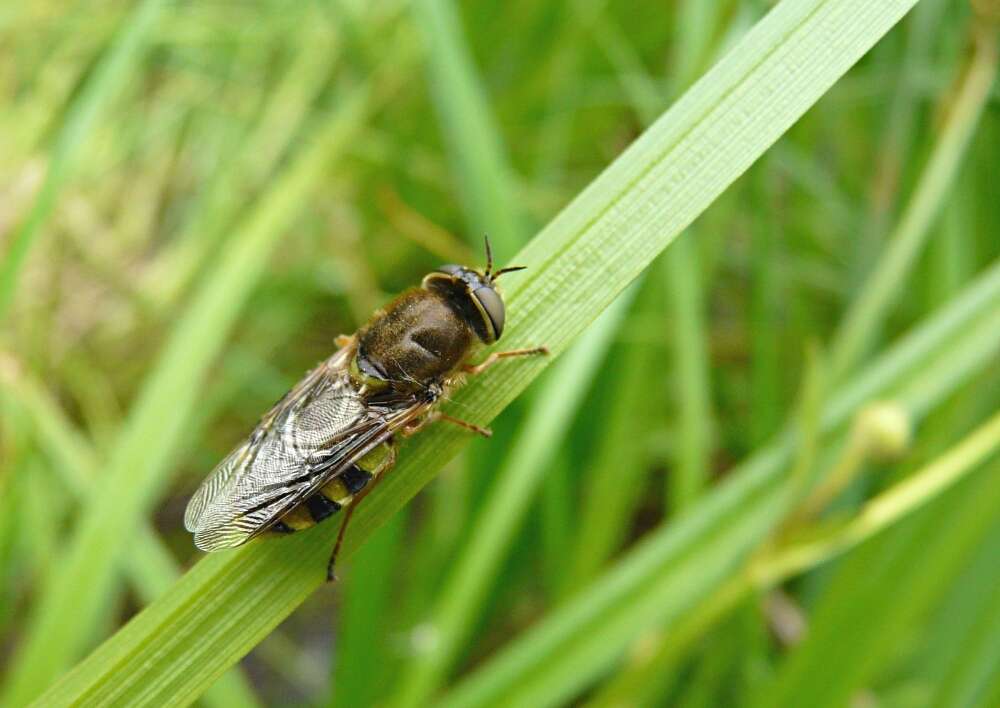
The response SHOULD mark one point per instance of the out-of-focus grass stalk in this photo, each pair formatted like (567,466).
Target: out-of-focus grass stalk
(475,146)
(612,479)
(149,563)
(111,71)
(869,310)
(40,540)
(362,658)
(765,307)
(15,442)
(64,615)
(565,62)
(557,523)
(820,185)
(21,548)
(688,478)
(673,567)
(495,526)
(900,123)
(971,674)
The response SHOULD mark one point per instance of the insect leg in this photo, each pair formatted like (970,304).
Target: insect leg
(330,577)
(386,465)
(433,416)
(438,415)
(342,340)
(497,356)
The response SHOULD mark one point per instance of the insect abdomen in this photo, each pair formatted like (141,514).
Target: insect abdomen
(338,492)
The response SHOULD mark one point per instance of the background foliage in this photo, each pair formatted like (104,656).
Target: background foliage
(765,476)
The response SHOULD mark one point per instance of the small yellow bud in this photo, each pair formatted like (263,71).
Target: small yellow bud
(886,429)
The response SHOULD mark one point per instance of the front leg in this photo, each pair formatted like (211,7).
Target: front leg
(493,358)
(415,426)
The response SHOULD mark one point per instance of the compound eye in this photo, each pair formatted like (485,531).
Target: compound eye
(492,304)
(450,269)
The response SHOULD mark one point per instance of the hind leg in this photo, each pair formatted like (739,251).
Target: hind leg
(377,474)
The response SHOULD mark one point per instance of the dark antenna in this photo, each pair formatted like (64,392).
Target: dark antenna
(489,257)
(491,276)
(508,269)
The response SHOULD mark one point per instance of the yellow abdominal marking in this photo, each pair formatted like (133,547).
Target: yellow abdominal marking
(337,492)
(373,463)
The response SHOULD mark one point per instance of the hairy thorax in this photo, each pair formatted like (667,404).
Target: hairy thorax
(420,338)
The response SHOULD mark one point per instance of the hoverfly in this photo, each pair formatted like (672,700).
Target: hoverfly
(322,446)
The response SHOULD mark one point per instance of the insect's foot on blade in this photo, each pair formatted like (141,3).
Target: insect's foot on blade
(471,427)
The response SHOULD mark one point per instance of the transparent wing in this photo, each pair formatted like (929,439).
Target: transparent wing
(237,462)
(307,439)
(214,484)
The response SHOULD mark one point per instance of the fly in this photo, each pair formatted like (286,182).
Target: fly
(323,446)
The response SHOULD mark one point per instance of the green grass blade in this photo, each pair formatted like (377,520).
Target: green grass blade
(475,147)
(578,265)
(109,74)
(476,565)
(136,467)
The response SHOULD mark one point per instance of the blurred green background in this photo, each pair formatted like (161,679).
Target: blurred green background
(355,146)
